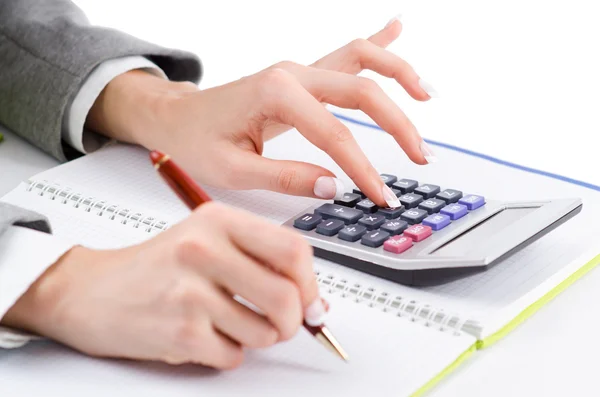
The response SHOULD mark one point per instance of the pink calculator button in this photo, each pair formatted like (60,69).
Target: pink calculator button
(418,232)
(397,244)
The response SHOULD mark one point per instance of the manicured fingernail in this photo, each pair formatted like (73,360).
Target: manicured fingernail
(315,313)
(428,153)
(329,188)
(389,197)
(428,89)
(395,18)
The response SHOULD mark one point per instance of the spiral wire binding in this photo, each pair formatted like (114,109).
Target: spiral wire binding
(89,204)
(398,305)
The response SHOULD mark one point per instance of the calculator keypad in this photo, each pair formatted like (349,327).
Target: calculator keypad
(426,208)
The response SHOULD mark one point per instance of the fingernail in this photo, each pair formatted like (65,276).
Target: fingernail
(428,153)
(389,197)
(428,89)
(315,313)
(395,18)
(329,188)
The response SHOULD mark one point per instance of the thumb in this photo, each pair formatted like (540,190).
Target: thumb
(291,177)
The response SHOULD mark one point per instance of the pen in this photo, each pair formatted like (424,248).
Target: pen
(193,196)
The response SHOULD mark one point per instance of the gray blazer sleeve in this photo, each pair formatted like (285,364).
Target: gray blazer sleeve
(11,215)
(47,49)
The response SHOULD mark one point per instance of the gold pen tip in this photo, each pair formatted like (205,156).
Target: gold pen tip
(328,340)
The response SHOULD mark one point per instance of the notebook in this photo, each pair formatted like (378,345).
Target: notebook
(401,340)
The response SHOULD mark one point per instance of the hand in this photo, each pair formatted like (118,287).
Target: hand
(198,127)
(171,298)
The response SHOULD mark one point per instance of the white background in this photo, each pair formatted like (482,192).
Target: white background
(518,79)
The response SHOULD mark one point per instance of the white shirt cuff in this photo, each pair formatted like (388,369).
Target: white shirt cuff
(74,119)
(25,254)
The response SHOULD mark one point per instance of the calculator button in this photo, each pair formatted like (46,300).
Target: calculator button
(449,195)
(329,227)
(367,206)
(348,215)
(405,185)
(394,227)
(413,216)
(410,200)
(391,213)
(352,232)
(397,192)
(472,202)
(432,205)
(427,190)
(357,191)
(418,232)
(372,221)
(454,211)
(397,244)
(388,179)
(374,238)
(348,199)
(307,221)
(437,221)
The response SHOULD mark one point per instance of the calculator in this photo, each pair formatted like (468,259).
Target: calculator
(437,235)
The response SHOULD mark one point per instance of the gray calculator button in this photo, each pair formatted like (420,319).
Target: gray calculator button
(372,221)
(357,191)
(374,238)
(432,205)
(307,221)
(391,213)
(348,199)
(394,227)
(348,215)
(450,196)
(329,227)
(388,179)
(414,215)
(352,232)
(410,200)
(427,190)
(405,185)
(367,206)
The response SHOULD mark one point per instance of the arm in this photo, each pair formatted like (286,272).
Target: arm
(47,50)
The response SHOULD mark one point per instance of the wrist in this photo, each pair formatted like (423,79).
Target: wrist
(130,108)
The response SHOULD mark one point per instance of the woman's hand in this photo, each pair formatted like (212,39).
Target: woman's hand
(218,134)
(171,298)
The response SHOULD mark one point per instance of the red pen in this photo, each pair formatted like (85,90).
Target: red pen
(193,196)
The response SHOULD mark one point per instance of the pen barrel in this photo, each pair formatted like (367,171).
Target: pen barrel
(183,185)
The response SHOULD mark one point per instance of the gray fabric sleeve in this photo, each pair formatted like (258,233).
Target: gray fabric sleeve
(47,49)
(16,216)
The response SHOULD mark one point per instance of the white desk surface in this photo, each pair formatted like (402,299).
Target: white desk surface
(518,81)
(550,354)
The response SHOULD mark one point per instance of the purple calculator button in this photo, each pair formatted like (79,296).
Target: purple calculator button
(472,201)
(437,221)
(454,211)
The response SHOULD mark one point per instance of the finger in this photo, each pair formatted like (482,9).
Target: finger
(281,249)
(285,100)
(219,351)
(388,34)
(242,324)
(289,177)
(274,294)
(352,92)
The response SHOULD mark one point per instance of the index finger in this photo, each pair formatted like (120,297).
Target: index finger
(293,105)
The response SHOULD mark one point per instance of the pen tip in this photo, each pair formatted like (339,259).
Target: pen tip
(156,156)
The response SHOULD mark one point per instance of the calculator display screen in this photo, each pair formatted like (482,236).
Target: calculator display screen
(482,232)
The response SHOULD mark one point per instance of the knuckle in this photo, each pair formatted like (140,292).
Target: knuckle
(366,87)
(287,180)
(288,309)
(299,250)
(339,134)
(285,65)
(358,45)
(265,338)
(273,78)
(188,250)
(232,360)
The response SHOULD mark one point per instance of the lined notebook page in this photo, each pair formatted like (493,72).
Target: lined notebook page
(388,356)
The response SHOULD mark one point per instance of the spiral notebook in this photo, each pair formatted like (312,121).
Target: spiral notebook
(401,340)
